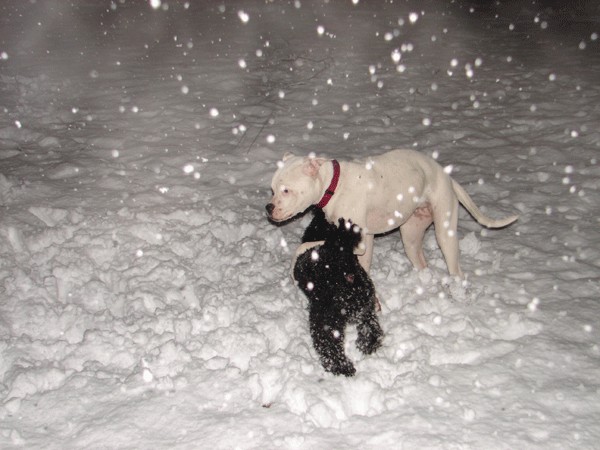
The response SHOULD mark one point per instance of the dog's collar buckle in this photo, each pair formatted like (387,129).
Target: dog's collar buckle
(331,189)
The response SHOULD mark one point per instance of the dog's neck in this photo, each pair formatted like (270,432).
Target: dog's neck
(332,185)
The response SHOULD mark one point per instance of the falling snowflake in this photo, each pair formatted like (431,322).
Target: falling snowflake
(244,17)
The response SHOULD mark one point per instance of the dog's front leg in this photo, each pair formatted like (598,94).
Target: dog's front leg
(328,341)
(366,258)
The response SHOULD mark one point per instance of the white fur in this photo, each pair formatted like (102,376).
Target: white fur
(401,188)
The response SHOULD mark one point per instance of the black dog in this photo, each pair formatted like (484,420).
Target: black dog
(339,292)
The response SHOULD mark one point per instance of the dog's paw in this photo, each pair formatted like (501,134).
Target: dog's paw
(370,337)
(369,346)
(339,366)
(346,369)
(455,288)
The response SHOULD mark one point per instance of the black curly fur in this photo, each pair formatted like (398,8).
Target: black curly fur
(339,292)
(318,229)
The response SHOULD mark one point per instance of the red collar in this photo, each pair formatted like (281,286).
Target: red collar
(331,189)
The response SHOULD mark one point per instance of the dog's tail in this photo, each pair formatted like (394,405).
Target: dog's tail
(470,205)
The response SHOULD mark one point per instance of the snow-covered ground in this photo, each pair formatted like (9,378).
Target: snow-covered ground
(145,300)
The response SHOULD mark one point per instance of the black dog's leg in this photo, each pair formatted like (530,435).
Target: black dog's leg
(370,334)
(329,343)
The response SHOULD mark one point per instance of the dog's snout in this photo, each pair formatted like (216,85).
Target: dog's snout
(270,207)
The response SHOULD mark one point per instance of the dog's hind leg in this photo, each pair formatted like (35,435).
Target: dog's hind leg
(445,218)
(329,344)
(370,334)
(413,231)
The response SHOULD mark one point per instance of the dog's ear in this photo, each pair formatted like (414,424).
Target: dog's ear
(312,165)
(287,156)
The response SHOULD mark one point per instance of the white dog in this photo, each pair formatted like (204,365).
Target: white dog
(401,188)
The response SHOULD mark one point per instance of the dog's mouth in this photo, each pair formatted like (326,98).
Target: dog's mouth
(279,219)
(273,216)
(284,220)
